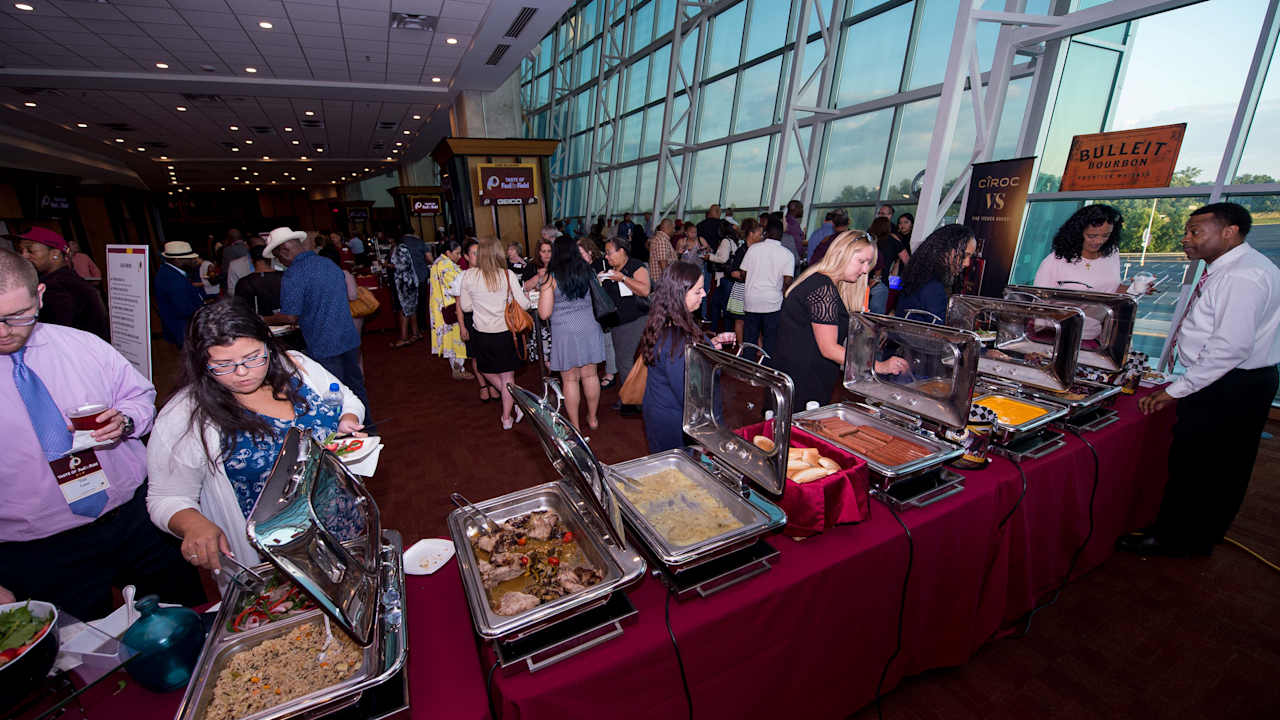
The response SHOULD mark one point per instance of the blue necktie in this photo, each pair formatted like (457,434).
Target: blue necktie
(47,420)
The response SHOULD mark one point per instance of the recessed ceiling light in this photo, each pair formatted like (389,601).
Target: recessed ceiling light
(24,6)
(319,149)
(29,104)
(273,182)
(170,192)
(246,182)
(237,177)
(169,166)
(242,167)
(295,142)
(309,113)
(417,117)
(258,189)
(395,151)
(119,139)
(304,157)
(163,66)
(266,157)
(265,25)
(331,182)
(406,132)
(142,149)
(181,108)
(399,144)
(255,172)
(452,41)
(82,125)
(308,169)
(222,188)
(304,187)
(390,158)
(366,169)
(435,79)
(251,69)
(248,142)
(164,157)
(233,128)
(235,149)
(288,129)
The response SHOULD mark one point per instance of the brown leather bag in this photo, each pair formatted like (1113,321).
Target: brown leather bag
(518,319)
(632,391)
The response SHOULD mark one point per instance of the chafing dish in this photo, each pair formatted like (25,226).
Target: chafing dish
(585,503)
(1108,321)
(1007,432)
(1088,403)
(739,476)
(920,406)
(318,527)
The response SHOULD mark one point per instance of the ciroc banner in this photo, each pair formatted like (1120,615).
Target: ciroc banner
(997,199)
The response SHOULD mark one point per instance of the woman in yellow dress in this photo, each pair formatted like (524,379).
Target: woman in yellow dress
(446,340)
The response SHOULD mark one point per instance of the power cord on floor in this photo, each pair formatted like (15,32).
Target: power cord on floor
(902,607)
(1249,550)
(1075,557)
(684,679)
(488,691)
(1022,474)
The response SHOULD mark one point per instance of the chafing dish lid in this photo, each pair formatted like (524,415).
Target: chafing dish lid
(703,416)
(1114,313)
(317,523)
(1036,344)
(944,367)
(571,456)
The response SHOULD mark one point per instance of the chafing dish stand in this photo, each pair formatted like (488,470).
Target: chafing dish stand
(922,406)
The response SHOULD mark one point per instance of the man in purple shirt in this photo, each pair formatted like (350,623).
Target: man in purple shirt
(69,537)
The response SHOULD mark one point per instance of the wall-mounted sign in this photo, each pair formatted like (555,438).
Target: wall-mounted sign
(505,184)
(993,211)
(358,214)
(54,201)
(425,206)
(1123,159)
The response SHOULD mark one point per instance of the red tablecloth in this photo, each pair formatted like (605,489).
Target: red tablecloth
(385,317)
(809,637)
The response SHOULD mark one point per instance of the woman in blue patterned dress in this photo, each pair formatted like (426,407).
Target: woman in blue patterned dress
(215,442)
(577,342)
(406,294)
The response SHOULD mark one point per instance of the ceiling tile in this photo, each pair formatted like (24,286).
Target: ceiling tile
(317,29)
(132,42)
(210,5)
(153,14)
(365,32)
(456,26)
(423,7)
(201,19)
(265,8)
(316,13)
(114,27)
(54,24)
(161,30)
(91,11)
(469,11)
(365,17)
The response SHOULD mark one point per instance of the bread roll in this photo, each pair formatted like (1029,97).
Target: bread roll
(829,464)
(763,443)
(813,473)
(810,456)
(795,466)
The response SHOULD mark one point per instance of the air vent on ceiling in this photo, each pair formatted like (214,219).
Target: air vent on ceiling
(379,146)
(201,98)
(386,125)
(412,21)
(262,129)
(119,127)
(311,123)
(496,56)
(522,19)
(208,68)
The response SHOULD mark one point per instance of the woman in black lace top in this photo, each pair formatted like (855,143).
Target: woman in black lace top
(815,319)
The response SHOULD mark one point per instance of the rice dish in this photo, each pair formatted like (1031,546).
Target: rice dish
(282,669)
(680,510)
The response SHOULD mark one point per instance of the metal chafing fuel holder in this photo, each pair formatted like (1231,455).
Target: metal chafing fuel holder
(922,406)
(1104,345)
(738,474)
(315,523)
(1035,349)
(559,629)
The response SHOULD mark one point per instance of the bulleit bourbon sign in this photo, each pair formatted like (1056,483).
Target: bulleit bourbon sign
(1123,159)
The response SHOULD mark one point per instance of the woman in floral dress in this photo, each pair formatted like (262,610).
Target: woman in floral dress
(407,294)
(446,339)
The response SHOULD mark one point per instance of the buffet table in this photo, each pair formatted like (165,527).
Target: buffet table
(808,638)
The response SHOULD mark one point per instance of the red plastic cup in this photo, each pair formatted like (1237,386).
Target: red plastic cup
(85,417)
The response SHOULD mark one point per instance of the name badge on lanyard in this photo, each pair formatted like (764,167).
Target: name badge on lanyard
(83,482)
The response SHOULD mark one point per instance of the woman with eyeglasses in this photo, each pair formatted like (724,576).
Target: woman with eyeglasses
(215,441)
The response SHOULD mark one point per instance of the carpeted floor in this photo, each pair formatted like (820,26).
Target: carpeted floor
(1196,638)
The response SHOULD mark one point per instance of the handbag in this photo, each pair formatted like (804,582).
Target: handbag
(517,318)
(602,304)
(365,303)
(450,313)
(632,391)
(737,299)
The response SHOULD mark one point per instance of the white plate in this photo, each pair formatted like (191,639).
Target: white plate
(370,444)
(427,556)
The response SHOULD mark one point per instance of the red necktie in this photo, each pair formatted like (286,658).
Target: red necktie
(1195,294)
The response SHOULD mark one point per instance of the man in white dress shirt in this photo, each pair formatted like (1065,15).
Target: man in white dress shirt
(1229,342)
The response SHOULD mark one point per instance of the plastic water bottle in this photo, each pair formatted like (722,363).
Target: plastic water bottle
(333,398)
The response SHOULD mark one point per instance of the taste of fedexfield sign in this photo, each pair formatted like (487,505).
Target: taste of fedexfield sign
(1123,159)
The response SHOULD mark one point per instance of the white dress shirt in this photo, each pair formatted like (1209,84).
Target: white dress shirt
(766,264)
(1234,323)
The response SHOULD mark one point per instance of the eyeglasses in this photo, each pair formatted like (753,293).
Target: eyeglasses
(226,368)
(20,320)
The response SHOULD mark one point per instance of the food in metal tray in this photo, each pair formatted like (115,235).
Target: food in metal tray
(870,442)
(280,600)
(1010,411)
(530,560)
(681,511)
(307,659)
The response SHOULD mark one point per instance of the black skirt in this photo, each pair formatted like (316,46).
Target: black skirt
(494,352)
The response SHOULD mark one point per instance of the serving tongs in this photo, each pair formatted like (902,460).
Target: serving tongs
(240,574)
(487,524)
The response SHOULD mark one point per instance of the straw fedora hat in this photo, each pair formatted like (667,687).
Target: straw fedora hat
(178,250)
(280,236)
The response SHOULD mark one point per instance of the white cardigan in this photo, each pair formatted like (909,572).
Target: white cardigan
(180,476)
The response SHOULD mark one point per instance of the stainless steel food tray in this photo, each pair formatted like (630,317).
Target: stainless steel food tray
(1100,395)
(1109,320)
(942,451)
(757,515)
(382,658)
(620,564)
(1003,434)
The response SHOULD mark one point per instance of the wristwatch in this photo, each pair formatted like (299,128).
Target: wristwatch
(127,430)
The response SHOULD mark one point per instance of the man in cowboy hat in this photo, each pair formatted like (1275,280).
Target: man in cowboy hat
(68,299)
(176,298)
(313,293)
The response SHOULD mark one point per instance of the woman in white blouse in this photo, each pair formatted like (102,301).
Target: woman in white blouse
(485,290)
(215,441)
(1085,253)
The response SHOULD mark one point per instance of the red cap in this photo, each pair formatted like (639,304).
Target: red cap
(45,237)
